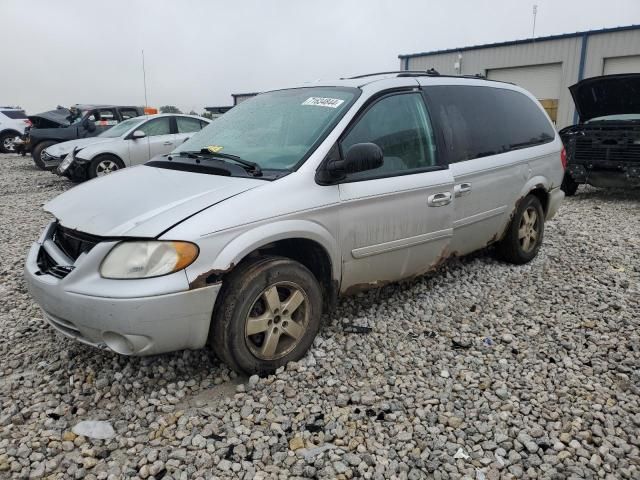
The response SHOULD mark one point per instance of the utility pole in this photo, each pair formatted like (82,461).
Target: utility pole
(535,12)
(144,81)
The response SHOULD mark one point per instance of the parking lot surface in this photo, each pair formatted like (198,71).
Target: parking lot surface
(480,370)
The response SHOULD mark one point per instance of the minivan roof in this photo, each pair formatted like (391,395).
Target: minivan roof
(370,78)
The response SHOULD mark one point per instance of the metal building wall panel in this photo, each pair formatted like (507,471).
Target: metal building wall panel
(606,45)
(565,51)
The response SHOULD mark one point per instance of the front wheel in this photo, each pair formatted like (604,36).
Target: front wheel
(268,315)
(36,153)
(524,234)
(103,165)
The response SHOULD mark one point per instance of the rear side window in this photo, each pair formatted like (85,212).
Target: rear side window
(14,114)
(188,124)
(481,121)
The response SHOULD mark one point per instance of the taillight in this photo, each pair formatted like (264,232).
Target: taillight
(28,122)
(563,158)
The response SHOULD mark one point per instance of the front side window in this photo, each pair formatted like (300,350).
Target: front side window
(157,126)
(480,121)
(188,124)
(277,130)
(400,126)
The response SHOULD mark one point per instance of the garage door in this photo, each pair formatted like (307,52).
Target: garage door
(543,81)
(630,64)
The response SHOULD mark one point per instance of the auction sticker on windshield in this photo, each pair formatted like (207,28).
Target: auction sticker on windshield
(323,102)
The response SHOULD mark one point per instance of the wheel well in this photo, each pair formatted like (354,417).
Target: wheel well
(9,130)
(310,254)
(542,195)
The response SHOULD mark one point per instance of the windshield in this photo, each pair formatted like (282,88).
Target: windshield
(276,130)
(616,118)
(122,128)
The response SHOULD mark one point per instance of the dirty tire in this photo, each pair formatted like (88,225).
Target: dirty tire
(4,137)
(37,152)
(510,248)
(94,167)
(569,185)
(241,292)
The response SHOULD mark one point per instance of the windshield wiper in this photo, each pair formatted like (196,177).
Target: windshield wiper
(251,167)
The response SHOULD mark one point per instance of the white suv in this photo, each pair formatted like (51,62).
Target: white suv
(248,231)
(13,121)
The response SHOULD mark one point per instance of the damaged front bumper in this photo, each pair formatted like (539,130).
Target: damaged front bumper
(603,155)
(129,317)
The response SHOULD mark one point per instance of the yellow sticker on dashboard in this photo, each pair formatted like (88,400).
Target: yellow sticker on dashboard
(214,148)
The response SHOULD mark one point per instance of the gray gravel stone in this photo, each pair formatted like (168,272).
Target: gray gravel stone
(554,394)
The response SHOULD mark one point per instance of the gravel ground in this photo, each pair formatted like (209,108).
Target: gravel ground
(481,371)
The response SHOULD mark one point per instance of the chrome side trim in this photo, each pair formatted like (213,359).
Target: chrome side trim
(363,252)
(464,222)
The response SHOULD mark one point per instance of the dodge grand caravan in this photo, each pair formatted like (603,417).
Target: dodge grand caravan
(242,236)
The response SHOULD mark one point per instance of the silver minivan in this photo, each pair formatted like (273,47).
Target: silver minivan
(245,234)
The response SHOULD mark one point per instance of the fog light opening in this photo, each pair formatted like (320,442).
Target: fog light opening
(118,343)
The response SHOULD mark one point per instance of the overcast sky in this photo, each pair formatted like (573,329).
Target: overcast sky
(198,52)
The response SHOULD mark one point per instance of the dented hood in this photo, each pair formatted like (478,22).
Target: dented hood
(59,116)
(607,95)
(142,201)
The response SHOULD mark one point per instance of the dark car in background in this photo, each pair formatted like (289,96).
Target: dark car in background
(79,121)
(603,150)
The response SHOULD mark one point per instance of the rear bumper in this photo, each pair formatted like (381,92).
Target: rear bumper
(556,196)
(130,325)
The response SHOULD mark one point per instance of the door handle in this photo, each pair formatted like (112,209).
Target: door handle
(168,143)
(462,189)
(439,199)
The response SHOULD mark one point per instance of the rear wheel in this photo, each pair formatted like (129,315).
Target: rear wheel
(524,234)
(268,315)
(36,153)
(6,142)
(569,185)
(103,165)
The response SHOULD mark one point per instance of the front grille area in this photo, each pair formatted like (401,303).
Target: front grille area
(69,242)
(607,143)
(47,265)
(72,242)
(610,150)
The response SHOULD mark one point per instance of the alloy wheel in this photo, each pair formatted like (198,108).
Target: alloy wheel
(105,167)
(277,321)
(528,230)
(8,145)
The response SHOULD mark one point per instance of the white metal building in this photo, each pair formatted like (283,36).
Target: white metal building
(546,66)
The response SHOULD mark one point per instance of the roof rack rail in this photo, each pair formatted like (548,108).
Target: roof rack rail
(407,73)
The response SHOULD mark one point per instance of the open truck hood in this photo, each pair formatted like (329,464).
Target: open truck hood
(607,95)
(51,119)
(142,201)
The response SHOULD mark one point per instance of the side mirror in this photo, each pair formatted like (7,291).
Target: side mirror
(363,156)
(360,157)
(90,125)
(138,134)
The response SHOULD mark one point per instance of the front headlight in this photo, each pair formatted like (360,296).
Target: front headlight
(68,160)
(145,259)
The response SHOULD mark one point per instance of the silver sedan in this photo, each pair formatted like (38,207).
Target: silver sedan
(129,143)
